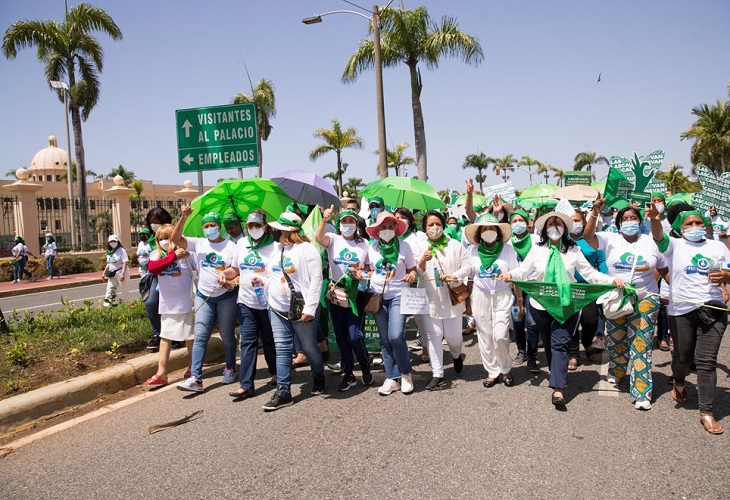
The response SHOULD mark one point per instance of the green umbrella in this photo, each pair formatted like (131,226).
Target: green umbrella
(239,196)
(404,192)
(537,191)
(683,197)
(478,199)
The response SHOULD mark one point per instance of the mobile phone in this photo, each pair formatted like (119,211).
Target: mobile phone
(647,204)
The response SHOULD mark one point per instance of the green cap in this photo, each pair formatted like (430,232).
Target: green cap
(658,195)
(478,208)
(521,213)
(144,231)
(343,214)
(677,224)
(212,217)
(231,218)
(377,199)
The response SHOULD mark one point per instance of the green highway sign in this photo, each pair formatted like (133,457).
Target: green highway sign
(217,137)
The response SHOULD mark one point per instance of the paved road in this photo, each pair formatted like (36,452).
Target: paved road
(51,300)
(464,441)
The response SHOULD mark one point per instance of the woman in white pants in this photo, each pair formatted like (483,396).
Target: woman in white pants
(116,273)
(440,256)
(491,298)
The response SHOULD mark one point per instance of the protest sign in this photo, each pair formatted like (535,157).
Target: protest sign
(413,301)
(573,178)
(505,190)
(641,172)
(371,335)
(715,191)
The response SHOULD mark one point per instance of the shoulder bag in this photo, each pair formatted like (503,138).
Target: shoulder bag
(337,295)
(457,293)
(373,301)
(296,304)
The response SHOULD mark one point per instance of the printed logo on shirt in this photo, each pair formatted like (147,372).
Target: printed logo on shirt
(113,258)
(288,266)
(347,258)
(627,262)
(386,269)
(717,228)
(490,272)
(610,229)
(215,261)
(252,263)
(700,265)
(173,270)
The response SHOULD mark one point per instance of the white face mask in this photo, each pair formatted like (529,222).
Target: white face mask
(489,236)
(386,235)
(113,244)
(256,232)
(435,232)
(659,207)
(577,228)
(164,244)
(155,227)
(348,230)
(555,233)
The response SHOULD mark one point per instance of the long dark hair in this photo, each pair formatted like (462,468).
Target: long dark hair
(434,213)
(160,214)
(620,215)
(409,216)
(358,236)
(565,238)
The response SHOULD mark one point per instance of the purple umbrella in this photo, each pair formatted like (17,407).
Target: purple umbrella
(307,187)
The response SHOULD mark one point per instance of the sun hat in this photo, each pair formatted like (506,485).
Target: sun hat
(472,231)
(211,217)
(540,222)
(287,221)
(400,226)
(113,237)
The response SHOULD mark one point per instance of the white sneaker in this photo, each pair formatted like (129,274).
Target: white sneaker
(642,404)
(388,386)
(191,384)
(229,376)
(611,380)
(406,384)
(377,361)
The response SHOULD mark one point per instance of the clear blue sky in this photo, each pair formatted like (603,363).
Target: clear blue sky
(535,93)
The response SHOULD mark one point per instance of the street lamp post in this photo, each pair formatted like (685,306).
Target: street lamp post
(526,170)
(380,101)
(69,172)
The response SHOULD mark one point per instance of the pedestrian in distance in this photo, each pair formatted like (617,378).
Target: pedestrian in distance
(116,273)
(144,249)
(49,252)
(20,254)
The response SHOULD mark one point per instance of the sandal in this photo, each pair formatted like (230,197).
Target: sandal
(679,395)
(591,354)
(155,381)
(710,424)
(573,364)
(663,346)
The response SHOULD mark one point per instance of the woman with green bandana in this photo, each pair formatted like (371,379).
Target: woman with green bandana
(555,259)
(347,254)
(491,299)
(440,257)
(697,268)
(452,229)
(252,270)
(393,268)
(116,273)
(214,302)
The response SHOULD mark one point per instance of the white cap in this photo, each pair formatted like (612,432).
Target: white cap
(113,237)
(49,235)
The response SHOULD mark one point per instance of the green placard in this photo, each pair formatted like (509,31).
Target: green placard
(640,171)
(573,178)
(715,191)
(217,137)
(372,337)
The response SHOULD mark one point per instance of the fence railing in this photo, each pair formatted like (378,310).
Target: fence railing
(54,217)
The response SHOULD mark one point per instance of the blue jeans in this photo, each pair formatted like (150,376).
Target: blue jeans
(556,339)
(222,308)
(19,269)
(284,333)
(49,265)
(152,307)
(392,330)
(349,337)
(252,323)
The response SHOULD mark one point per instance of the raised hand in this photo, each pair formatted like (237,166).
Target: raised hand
(186,211)
(470,186)
(328,213)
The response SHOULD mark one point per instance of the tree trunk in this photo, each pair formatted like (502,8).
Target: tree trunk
(339,174)
(419,128)
(260,170)
(81,178)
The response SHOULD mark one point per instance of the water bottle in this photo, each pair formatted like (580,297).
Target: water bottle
(717,265)
(260,296)
(437,276)
(362,285)
(515,313)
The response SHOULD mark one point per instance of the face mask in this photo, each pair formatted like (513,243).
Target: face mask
(348,230)
(212,233)
(694,233)
(630,228)
(608,220)
(386,235)
(555,233)
(155,227)
(454,226)
(489,237)
(500,216)
(113,244)
(576,229)
(374,212)
(164,244)
(435,232)
(519,227)
(256,232)
(659,207)
(276,234)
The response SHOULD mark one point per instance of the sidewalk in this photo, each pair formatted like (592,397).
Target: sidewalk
(41,284)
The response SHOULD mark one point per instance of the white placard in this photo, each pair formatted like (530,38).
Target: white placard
(414,301)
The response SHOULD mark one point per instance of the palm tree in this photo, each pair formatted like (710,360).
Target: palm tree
(588,159)
(504,165)
(559,174)
(127,175)
(265,100)
(528,162)
(335,139)
(64,48)
(675,179)
(353,186)
(395,158)
(711,132)
(409,37)
(544,168)
(481,162)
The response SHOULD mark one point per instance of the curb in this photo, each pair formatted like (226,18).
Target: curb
(53,399)
(52,287)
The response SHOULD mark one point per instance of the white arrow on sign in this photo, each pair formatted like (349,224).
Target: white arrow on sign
(187,126)
(188,159)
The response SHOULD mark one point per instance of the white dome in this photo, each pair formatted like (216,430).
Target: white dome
(50,158)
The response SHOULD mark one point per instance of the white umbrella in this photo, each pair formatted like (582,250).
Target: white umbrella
(576,192)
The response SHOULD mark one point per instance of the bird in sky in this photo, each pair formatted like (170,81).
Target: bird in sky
(599,76)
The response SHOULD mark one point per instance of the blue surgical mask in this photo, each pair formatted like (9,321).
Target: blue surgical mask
(519,227)
(694,233)
(212,233)
(630,228)
(374,212)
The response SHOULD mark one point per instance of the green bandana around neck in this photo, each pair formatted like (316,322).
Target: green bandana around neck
(555,273)
(522,244)
(389,251)
(439,244)
(152,242)
(265,240)
(487,255)
(111,251)
(405,235)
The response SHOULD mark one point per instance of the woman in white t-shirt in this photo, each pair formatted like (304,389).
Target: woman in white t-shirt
(213,301)
(174,274)
(20,259)
(439,258)
(252,270)
(347,253)
(49,252)
(295,266)
(634,258)
(393,268)
(116,273)
(144,249)
(697,267)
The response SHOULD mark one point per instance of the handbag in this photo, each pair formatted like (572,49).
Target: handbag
(296,304)
(611,302)
(110,273)
(373,301)
(337,296)
(457,293)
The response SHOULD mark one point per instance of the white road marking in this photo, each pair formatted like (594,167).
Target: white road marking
(60,303)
